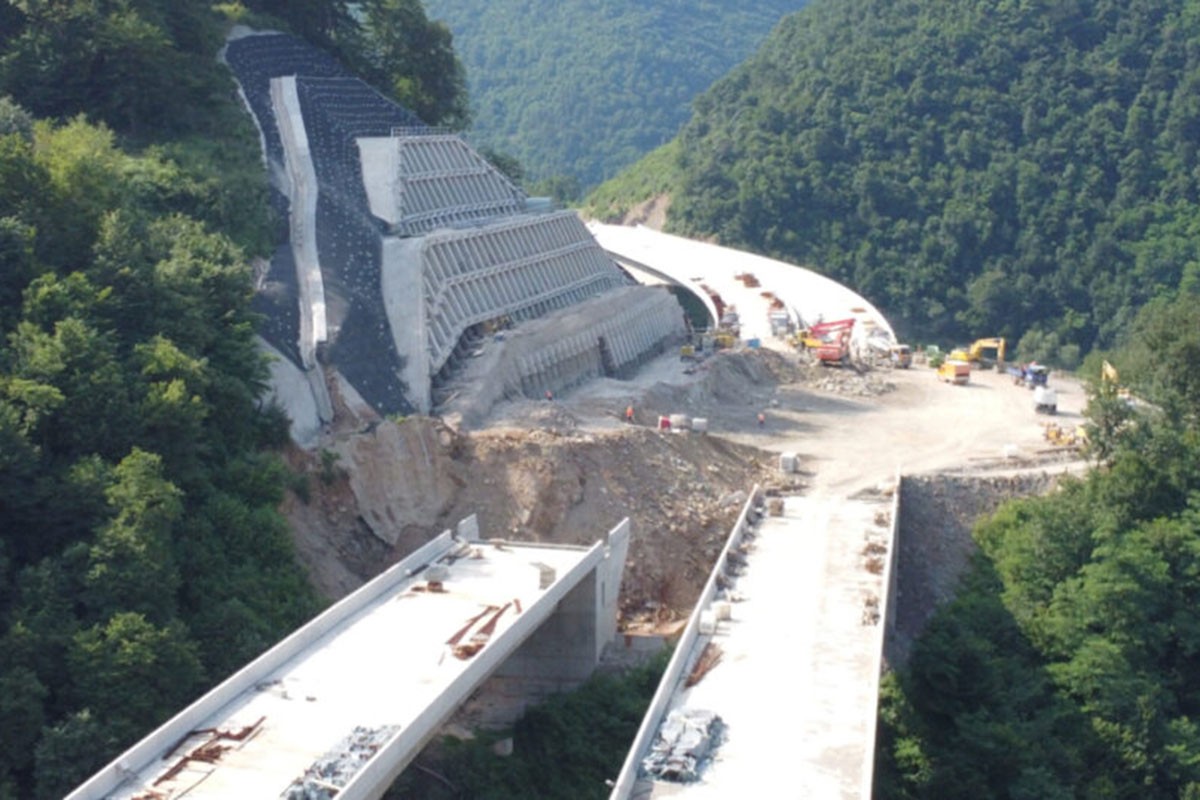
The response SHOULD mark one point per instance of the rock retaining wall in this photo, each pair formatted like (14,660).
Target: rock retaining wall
(934,546)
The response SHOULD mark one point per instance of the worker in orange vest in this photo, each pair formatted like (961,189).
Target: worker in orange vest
(762,419)
(629,414)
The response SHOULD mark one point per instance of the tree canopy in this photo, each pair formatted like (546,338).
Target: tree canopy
(577,91)
(1067,664)
(136,500)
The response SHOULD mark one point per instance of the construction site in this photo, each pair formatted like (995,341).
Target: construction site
(449,349)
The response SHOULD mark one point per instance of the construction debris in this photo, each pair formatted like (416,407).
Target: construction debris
(685,743)
(210,750)
(709,658)
(332,771)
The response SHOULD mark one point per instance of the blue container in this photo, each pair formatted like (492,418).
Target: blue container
(753,344)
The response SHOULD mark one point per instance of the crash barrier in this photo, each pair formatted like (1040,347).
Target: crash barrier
(685,651)
(886,628)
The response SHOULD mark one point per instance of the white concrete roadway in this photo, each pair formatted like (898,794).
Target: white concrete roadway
(796,684)
(805,293)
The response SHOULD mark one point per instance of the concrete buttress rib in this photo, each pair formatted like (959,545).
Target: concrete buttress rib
(302,181)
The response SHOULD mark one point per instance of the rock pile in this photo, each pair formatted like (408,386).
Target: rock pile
(846,381)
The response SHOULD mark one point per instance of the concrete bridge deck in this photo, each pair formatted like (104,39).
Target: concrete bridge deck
(342,705)
(797,680)
(787,655)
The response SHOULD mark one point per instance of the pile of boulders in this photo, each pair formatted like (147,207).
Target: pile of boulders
(847,381)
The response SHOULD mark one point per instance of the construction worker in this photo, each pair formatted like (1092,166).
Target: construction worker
(762,419)
(549,395)
(629,414)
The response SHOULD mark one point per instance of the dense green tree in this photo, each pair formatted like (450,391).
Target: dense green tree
(316,20)
(14,119)
(1069,656)
(579,90)
(130,566)
(132,432)
(69,752)
(129,402)
(400,50)
(584,732)
(125,63)
(1161,340)
(21,717)
(133,674)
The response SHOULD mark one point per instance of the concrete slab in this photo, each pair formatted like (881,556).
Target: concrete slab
(796,682)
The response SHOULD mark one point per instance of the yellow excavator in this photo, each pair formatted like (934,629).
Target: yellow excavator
(1108,374)
(974,354)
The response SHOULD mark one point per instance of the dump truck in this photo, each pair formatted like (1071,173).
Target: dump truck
(955,371)
(1031,375)
(781,323)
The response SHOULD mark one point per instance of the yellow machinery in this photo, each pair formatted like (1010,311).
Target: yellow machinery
(1063,436)
(955,371)
(974,353)
(804,340)
(1108,374)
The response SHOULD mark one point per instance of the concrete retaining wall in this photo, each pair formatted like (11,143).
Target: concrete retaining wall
(934,543)
(609,335)
(616,345)
(523,268)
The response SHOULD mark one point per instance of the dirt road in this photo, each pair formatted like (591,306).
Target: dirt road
(850,431)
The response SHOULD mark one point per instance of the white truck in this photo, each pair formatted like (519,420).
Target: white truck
(1045,400)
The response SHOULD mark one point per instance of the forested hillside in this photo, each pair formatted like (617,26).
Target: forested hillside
(976,168)
(1068,666)
(581,89)
(142,558)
